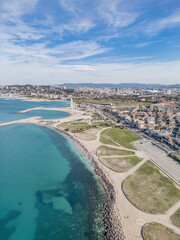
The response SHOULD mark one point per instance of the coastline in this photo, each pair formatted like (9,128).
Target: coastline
(122,219)
(30,99)
(74,114)
(111,218)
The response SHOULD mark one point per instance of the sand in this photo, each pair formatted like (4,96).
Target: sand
(75,114)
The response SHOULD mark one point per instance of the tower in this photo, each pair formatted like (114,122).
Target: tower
(72,104)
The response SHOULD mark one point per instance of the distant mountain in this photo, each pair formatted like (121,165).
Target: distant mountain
(119,85)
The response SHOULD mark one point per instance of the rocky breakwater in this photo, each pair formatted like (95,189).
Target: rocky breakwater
(112,224)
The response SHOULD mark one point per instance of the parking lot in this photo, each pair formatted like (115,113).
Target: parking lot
(160,158)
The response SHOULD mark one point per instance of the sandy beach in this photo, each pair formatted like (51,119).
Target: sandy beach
(37,100)
(75,114)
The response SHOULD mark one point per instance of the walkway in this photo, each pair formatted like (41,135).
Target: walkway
(132,219)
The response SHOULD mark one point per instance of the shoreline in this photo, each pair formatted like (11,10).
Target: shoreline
(122,220)
(112,223)
(31,99)
(74,114)
(111,217)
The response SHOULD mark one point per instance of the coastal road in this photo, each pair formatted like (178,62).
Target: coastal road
(160,158)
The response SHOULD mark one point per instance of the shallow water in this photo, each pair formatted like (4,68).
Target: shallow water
(9,110)
(48,191)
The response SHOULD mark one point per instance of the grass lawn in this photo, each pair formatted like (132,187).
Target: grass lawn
(121,136)
(175,218)
(97,116)
(86,136)
(156,231)
(100,124)
(115,102)
(150,190)
(106,140)
(79,126)
(120,164)
(108,151)
(75,126)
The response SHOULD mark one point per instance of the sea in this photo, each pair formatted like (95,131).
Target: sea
(48,191)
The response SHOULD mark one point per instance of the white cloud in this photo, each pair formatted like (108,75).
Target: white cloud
(40,52)
(37,51)
(76,50)
(82,19)
(111,13)
(169,22)
(84,68)
(13,9)
(12,26)
(79,25)
(145,44)
(70,5)
(36,73)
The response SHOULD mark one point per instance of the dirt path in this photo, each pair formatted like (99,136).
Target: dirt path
(132,218)
(118,156)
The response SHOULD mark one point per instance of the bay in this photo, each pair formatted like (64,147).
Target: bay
(48,191)
(9,109)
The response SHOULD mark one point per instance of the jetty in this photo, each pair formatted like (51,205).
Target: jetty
(25,120)
(31,109)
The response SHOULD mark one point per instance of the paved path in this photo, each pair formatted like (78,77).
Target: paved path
(159,158)
(116,147)
(173,209)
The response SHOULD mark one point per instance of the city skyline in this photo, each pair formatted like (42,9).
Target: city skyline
(61,41)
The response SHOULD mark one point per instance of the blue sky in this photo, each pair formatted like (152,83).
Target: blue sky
(58,41)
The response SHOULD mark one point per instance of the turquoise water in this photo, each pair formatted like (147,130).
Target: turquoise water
(9,110)
(47,189)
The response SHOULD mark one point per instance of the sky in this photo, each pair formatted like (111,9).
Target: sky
(98,41)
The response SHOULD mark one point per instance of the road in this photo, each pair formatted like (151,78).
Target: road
(163,146)
(159,158)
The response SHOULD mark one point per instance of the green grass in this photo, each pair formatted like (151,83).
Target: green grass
(156,231)
(120,164)
(78,123)
(97,116)
(115,102)
(100,124)
(75,126)
(150,190)
(175,218)
(86,136)
(108,151)
(107,141)
(121,136)
(79,126)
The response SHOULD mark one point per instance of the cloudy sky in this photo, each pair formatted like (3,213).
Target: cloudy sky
(58,41)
